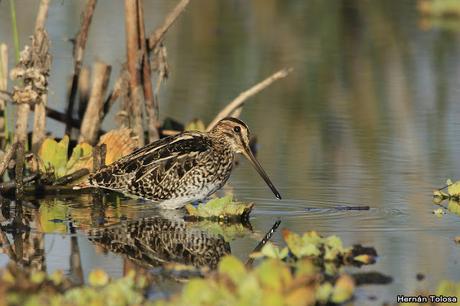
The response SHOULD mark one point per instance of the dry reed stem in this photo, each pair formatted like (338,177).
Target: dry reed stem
(116,92)
(99,154)
(159,33)
(22,114)
(91,123)
(7,157)
(3,87)
(39,131)
(239,101)
(132,49)
(84,86)
(151,106)
(79,50)
(19,171)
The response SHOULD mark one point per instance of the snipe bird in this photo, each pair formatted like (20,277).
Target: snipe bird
(183,168)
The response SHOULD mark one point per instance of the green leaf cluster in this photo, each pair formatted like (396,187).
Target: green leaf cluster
(53,157)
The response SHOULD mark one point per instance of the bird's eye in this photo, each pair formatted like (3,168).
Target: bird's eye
(237,129)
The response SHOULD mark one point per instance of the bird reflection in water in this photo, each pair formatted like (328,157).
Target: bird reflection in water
(155,241)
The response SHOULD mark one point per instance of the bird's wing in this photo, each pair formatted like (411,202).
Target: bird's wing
(157,158)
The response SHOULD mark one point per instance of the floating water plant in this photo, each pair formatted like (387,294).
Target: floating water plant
(220,209)
(324,249)
(453,191)
(273,282)
(52,157)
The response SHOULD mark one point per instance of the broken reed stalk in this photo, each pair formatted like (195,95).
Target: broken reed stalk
(39,130)
(19,171)
(91,124)
(79,50)
(3,87)
(69,178)
(132,50)
(99,153)
(10,186)
(239,101)
(157,36)
(7,157)
(151,106)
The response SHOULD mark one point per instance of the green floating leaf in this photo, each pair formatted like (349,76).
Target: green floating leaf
(220,208)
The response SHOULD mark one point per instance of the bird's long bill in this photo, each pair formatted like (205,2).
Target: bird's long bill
(247,152)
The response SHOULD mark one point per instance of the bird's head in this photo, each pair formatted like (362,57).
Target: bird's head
(236,134)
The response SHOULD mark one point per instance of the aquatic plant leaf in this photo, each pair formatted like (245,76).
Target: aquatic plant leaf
(448,288)
(81,158)
(307,245)
(57,277)
(439,212)
(199,292)
(271,251)
(324,292)
(273,275)
(453,188)
(220,208)
(98,278)
(272,298)
(305,268)
(232,267)
(332,247)
(195,125)
(343,289)
(304,296)
(453,206)
(249,289)
(38,277)
(53,156)
(439,196)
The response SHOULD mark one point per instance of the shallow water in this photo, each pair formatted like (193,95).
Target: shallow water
(368,117)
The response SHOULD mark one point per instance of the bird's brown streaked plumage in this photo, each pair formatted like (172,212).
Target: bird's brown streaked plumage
(179,169)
